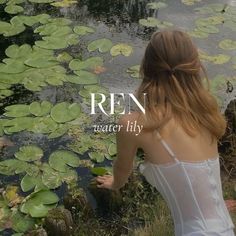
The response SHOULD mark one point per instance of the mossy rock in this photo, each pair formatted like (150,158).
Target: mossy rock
(59,222)
(108,201)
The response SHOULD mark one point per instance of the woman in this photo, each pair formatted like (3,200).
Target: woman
(182,124)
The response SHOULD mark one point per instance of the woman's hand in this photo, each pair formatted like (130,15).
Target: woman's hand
(105,181)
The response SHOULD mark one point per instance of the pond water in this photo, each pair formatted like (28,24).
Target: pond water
(118,22)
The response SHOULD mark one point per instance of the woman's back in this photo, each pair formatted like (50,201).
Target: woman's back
(189,181)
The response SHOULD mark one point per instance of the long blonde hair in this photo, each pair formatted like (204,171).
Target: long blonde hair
(171,73)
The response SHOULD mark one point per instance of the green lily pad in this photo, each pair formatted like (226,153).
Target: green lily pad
(29,153)
(59,131)
(95,156)
(40,109)
(112,149)
(121,49)
(14,29)
(190,2)
(84,77)
(43,125)
(64,112)
(61,159)
(13,9)
(4,26)
(15,51)
(38,204)
(149,22)
(12,66)
(210,29)
(156,5)
(5,93)
(52,43)
(41,62)
(204,10)
(63,3)
(103,45)
(29,182)
(18,110)
(17,124)
(99,170)
(196,33)
(21,223)
(134,71)
(89,63)
(41,1)
(83,30)
(227,44)
(64,57)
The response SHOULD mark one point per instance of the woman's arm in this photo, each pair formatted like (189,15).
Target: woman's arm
(123,164)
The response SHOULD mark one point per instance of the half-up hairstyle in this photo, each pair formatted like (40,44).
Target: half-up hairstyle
(173,76)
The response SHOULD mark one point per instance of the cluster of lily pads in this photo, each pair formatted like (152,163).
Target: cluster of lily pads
(152,21)
(220,15)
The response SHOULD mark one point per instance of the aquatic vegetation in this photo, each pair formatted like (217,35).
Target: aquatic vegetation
(102,45)
(190,2)
(227,44)
(121,49)
(134,71)
(156,5)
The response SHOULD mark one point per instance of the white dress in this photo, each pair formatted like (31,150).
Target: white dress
(193,192)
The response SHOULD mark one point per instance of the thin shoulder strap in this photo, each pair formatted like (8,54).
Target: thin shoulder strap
(167,147)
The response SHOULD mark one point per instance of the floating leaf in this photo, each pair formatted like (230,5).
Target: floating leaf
(61,159)
(63,3)
(59,131)
(156,5)
(29,153)
(17,124)
(64,57)
(210,29)
(41,61)
(63,112)
(43,125)
(11,196)
(121,49)
(134,71)
(40,109)
(21,223)
(41,1)
(38,204)
(190,2)
(83,30)
(13,9)
(103,45)
(196,33)
(112,149)
(15,51)
(149,22)
(4,26)
(227,44)
(99,170)
(95,156)
(84,77)
(29,182)
(51,43)
(89,63)
(17,110)
(12,66)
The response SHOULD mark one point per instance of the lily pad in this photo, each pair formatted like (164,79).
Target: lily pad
(17,124)
(18,110)
(40,109)
(51,43)
(64,112)
(89,63)
(61,159)
(83,30)
(59,131)
(103,45)
(13,9)
(99,170)
(12,66)
(156,5)
(83,77)
(210,29)
(43,125)
(15,51)
(38,204)
(134,71)
(196,33)
(29,153)
(112,149)
(95,156)
(64,57)
(121,49)
(41,61)
(64,3)
(149,22)
(227,44)
(29,182)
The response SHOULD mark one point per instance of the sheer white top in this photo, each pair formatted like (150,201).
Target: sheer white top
(193,192)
